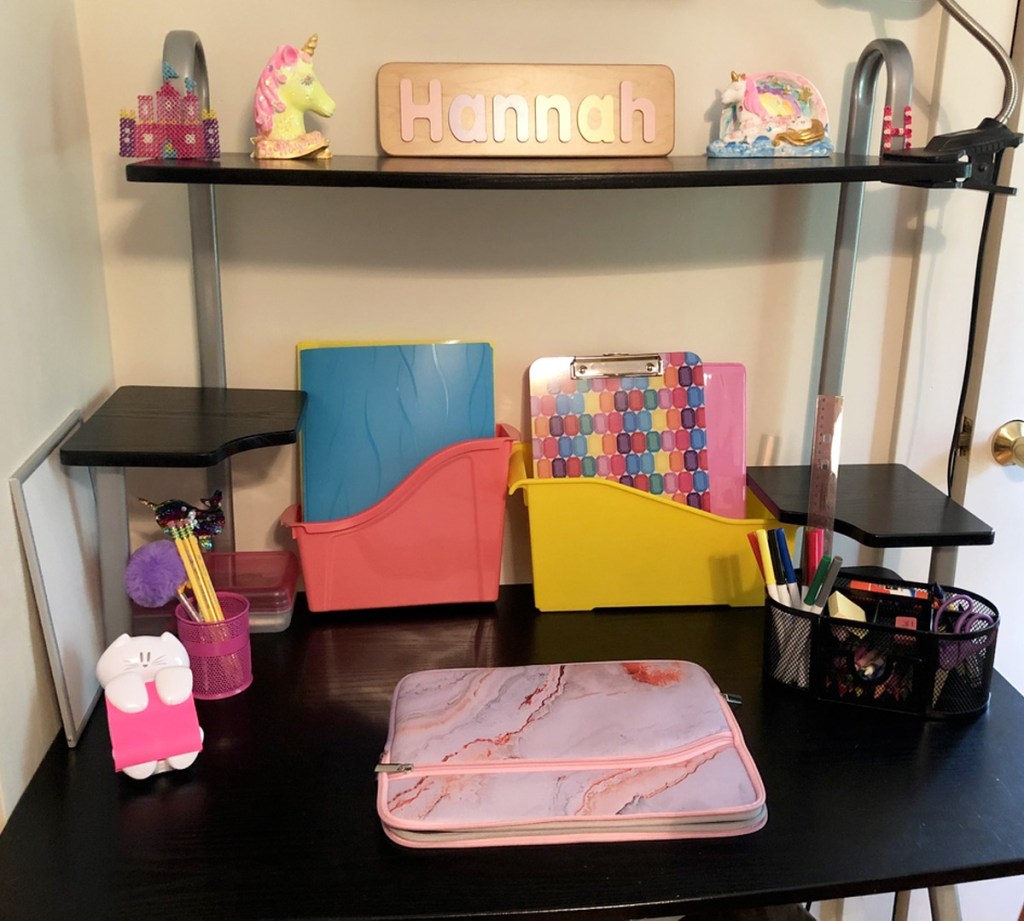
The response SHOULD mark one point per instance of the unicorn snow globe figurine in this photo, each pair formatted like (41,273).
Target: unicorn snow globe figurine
(287,89)
(773,114)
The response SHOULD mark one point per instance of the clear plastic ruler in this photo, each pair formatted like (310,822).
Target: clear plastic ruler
(821,498)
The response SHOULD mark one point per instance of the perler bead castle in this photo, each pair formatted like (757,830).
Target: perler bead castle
(170,126)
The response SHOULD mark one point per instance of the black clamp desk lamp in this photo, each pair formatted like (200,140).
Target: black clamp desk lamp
(981,147)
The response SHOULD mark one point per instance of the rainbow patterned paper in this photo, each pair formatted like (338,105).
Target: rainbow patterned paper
(647,432)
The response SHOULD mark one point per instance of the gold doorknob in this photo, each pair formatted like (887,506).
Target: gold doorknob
(1008,443)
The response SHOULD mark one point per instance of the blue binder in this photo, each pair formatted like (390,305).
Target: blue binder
(374,412)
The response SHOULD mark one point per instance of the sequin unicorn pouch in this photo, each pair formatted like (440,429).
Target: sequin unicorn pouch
(594,751)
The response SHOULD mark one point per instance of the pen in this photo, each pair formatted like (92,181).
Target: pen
(788,574)
(805,554)
(818,546)
(826,585)
(766,562)
(938,596)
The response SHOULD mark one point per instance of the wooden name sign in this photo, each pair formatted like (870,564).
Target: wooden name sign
(526,110)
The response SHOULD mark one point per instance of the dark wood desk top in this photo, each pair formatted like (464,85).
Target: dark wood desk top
(277,816)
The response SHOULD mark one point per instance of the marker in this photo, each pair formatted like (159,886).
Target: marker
(813,551)
(780,576)
(787,570)
(826,586)
(877,588)
(817,546)
(805,555)
(814,589)
(766,562)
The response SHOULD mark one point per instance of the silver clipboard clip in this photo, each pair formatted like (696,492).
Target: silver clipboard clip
(616,365)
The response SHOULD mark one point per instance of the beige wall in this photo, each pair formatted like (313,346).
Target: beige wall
(732,274)
(54,323)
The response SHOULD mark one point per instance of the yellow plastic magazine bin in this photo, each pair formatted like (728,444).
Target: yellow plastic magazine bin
(595,543)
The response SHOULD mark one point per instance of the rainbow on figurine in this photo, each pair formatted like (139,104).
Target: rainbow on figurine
(773,114)
(287,89)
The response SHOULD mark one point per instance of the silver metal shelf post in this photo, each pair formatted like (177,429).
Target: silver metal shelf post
(183,51)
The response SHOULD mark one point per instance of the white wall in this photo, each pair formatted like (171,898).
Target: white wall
(732,274)
(53,319)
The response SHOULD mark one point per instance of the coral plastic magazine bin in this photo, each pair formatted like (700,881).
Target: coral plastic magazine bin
(436,538)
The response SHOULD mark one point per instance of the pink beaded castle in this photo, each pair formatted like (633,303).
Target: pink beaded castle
(170,126)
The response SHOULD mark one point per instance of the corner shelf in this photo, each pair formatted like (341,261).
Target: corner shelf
(183,426)
(915,515)
(169,427)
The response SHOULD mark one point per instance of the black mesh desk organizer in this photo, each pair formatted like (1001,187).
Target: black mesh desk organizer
(926,673)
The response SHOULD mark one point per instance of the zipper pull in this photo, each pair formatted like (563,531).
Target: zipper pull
(400,768)
(733,699)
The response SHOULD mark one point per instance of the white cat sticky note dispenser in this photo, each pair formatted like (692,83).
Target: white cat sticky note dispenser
(150,711)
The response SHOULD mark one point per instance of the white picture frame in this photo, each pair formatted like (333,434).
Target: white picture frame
(55,507)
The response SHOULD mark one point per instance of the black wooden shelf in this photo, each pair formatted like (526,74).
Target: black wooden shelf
(183,426)
(879,505)
(544,173)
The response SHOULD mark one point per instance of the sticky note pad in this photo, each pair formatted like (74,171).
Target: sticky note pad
(375,412)
(841,606)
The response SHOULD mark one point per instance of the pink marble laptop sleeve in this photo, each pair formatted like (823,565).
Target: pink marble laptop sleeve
(593,751)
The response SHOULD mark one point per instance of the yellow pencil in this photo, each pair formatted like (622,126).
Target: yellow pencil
(198,576)
(204,574)
(193,579)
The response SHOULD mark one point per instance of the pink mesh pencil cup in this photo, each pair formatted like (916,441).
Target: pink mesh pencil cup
(219,653)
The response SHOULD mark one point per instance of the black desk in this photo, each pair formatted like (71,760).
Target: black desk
(277,816)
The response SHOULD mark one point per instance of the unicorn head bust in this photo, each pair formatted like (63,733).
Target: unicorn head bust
(287,89)
(774,114)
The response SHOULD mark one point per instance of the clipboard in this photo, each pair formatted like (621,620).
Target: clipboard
(639,420)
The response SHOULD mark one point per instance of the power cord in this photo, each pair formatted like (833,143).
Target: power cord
(955,443)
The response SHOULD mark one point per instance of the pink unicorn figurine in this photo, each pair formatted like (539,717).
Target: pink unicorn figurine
(287,89)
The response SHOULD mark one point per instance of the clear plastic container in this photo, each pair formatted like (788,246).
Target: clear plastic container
(267,578)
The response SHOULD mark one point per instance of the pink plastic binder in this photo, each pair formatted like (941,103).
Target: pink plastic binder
(725,397)
(535,754)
